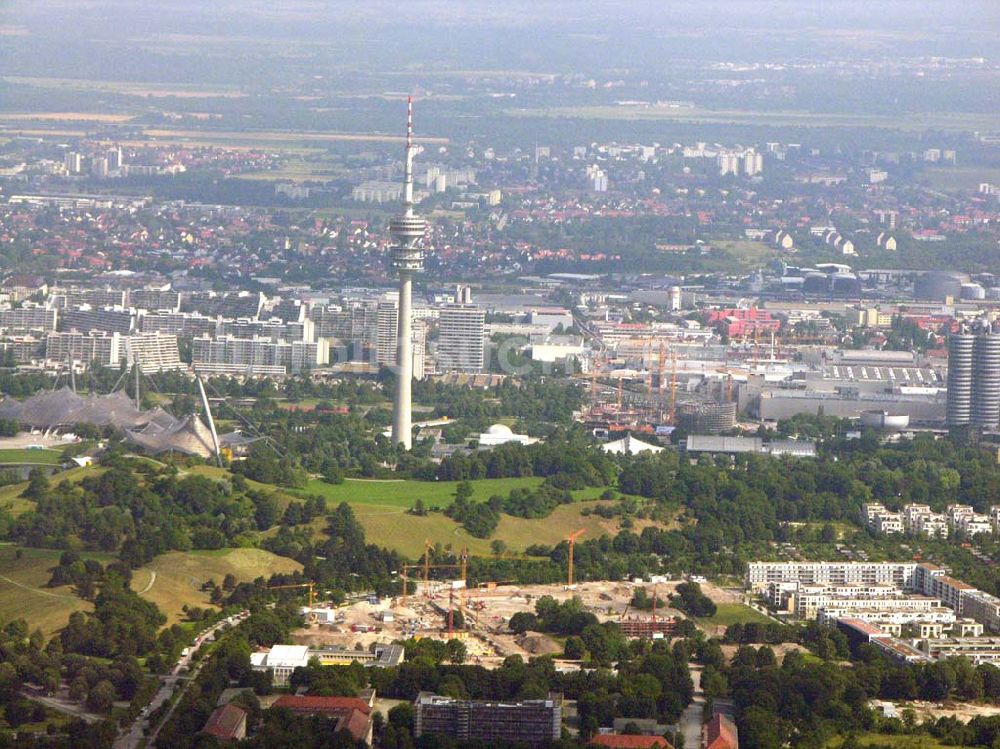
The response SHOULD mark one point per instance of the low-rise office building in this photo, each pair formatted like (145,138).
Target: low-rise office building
(529,722)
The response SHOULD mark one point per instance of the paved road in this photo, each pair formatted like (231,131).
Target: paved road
(131,738)
(66,706)
(691,718)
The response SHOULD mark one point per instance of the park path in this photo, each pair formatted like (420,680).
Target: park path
(693,715)
(39,591)
(152,579)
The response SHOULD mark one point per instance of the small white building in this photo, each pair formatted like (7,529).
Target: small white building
(630,445)
(501,434)
(281,661)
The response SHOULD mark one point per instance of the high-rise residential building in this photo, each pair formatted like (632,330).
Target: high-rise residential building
(387,328)
(114,157)
(154,352)
(387,345)
(25,349)
(407,230)
(461,346)
(974,379)
(183,324)
(419,349)
(86,318)
(97,347)
(73,162)
(28,319)
(99,167)
(256,356)
(155,299)
(753,162)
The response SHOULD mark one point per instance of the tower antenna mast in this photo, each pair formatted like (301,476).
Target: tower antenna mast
(407,230)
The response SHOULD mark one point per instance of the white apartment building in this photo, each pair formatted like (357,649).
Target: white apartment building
(84,348)
(808,606)
(257,356)
(887,523)
(154,352)
(942,616)
(900,574)
(184,324)
(973,525)
(27,320)
(461,343)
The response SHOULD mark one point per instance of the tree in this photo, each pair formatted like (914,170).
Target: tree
(38,485)
(498,547)
(573,650)
(101,697)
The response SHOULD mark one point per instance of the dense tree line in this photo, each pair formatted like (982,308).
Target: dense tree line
(229,663)
(122,623)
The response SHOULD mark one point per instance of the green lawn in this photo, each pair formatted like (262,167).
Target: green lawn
(919,741)
(20,457)
(734,613)
(403,494)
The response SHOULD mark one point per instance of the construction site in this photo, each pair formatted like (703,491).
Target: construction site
(448,608)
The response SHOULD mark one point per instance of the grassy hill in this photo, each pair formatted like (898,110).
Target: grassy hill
(174,579)
(23,594)
(380,506)
(170,581)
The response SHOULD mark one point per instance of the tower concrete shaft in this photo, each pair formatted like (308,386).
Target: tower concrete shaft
(407,230)
(402,428)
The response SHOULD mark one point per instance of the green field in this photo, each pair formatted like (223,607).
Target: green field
(918,741)
(21,457)
(734,613)
(175,579)
(405,533)
(402,494)
(23,594)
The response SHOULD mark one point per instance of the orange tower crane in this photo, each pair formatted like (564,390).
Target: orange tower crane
(310,585)
(571,540)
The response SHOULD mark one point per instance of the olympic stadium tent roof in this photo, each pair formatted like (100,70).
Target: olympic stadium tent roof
(55,408)
(189,436)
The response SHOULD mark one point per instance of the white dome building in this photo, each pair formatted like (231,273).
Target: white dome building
(501,434)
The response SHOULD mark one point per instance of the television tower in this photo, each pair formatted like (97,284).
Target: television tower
(407,230)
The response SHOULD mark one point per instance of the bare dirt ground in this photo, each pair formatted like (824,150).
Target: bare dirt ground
(963,711)
(487,613)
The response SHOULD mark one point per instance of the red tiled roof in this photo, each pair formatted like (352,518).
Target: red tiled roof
(357,724)
(626,741)
(321,704)
(224,722)
(720,733)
